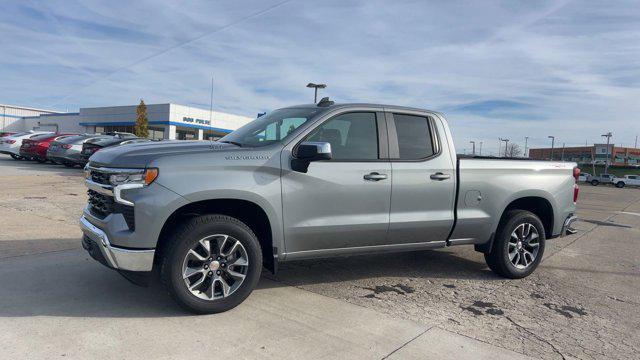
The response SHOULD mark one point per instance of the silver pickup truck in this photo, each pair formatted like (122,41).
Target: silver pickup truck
(314,181)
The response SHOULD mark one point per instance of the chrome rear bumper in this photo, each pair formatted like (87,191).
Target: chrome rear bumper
(115,257)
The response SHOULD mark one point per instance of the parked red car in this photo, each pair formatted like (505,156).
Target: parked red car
(35,148)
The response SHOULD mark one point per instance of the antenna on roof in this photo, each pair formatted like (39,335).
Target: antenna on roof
(325,102)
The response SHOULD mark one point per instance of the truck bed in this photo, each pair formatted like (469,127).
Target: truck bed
(485,186)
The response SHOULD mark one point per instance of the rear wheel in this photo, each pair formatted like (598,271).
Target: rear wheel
(69,165)
(519,245)
(41,161)
(16,157)
(595,182)
(212,264)
(620,184)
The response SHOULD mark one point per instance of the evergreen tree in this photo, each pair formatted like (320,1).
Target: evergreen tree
(141,128)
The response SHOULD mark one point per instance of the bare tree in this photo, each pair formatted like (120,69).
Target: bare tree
(513,150)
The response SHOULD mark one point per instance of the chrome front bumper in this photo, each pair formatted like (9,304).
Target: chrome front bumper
(115,257)
(566,227)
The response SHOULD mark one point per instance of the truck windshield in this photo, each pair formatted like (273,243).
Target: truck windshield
(271,128)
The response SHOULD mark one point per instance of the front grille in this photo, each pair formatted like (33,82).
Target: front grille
(101,206)
(100,177)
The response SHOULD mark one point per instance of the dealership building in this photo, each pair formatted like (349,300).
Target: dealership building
(166,121)
(597,153)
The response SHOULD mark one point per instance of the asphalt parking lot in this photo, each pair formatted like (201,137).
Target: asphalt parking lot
(56,302)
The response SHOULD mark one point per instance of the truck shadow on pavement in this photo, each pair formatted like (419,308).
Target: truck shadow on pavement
(68,283)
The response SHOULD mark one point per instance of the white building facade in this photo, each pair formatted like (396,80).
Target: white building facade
(166,121)
(11,117)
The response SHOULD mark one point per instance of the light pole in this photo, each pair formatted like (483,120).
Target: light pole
(506,146)
(606,162)
(526,141)
(316,87)
(474,147)
(553,140)
(480,148)
(562,157)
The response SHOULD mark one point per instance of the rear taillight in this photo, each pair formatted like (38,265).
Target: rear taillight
(66,146)
(576,173)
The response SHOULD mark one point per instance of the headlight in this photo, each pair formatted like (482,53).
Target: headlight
(142,176)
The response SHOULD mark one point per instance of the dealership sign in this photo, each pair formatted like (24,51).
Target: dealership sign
(196,121)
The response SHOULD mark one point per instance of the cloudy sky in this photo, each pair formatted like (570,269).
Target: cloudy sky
(496,69)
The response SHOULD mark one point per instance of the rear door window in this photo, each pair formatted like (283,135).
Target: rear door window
(414,136)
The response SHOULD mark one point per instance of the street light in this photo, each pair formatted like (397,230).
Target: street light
(553,140)
(474,147)
(506,146)
(526,141)
(316,87)
(480,148)
(606,162)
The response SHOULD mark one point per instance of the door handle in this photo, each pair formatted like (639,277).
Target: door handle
(439,176)
(374,176)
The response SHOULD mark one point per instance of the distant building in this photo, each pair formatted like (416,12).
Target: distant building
(597,153)
(166,121)
(11,116)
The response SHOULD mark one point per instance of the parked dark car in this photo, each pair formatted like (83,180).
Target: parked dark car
(66,151)
(91,146)
(35,148)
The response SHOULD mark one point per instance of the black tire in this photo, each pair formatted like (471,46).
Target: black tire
(595,182)
(69,165)
(16,157)
(41,161)
(185,237)
(620,184)
(498,259)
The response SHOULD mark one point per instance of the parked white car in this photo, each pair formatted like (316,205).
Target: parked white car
(10,145)
(584,176)
(633,180)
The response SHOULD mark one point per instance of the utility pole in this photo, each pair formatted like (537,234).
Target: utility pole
(526,141)
(480,148)
(474,147)
(316,87)
(562,157)
(210,115)
(553,140)
(606,162)
(506,145)
(636,144)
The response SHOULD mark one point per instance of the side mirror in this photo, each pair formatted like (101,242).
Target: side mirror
(309,151)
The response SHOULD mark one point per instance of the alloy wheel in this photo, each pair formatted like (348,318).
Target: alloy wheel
(524,245)
(215,267)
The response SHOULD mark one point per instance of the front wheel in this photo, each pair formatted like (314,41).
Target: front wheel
(620,184)
(16,157)
(41,161)
(212,264)
(595,182)
(519,245)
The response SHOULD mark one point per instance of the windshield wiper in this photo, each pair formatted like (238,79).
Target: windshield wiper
(231,142)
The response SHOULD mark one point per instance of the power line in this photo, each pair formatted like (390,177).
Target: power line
(168,49)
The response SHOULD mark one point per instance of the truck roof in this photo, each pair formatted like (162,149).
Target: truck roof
(348,105)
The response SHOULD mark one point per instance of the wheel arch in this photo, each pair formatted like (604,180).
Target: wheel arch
(538,205)
(249,212)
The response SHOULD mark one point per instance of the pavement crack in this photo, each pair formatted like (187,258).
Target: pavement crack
(406,343)
(540,338)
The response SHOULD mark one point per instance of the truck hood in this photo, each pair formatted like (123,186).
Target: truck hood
(139,155)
